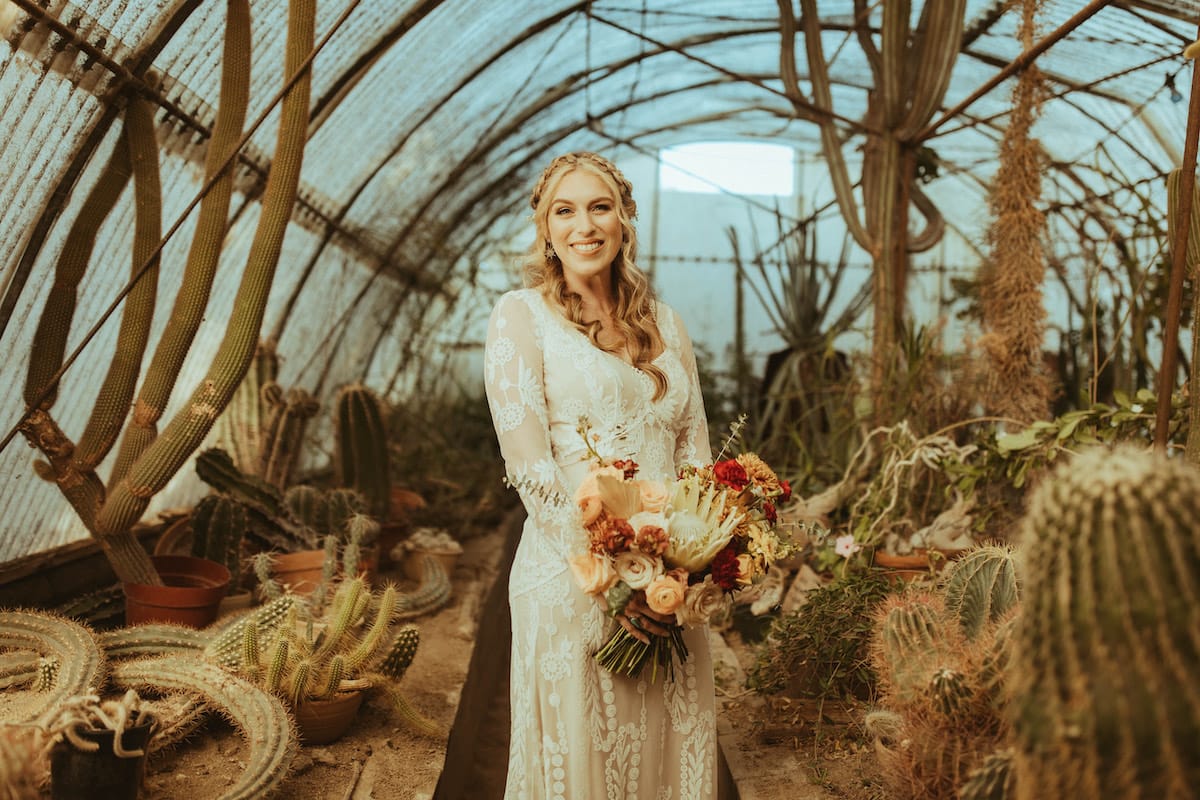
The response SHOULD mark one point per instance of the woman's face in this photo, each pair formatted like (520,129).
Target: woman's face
(585,230)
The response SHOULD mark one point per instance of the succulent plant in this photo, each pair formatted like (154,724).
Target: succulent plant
(992,780)
(1107,648)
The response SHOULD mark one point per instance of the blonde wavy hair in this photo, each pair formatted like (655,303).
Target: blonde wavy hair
(634,316)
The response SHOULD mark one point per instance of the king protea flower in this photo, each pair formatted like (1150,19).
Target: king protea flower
(697,531)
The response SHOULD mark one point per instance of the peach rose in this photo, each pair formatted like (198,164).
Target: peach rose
(593,573)
(588,488)
(654,496)
(701,602)
(637,569)
(665,594)
(589,509)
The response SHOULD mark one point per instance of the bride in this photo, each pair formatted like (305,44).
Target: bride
(586,337)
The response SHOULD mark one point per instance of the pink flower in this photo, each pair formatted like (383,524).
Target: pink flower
(845,546)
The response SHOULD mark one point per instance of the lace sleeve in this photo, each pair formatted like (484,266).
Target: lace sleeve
(516,395)
(691,440)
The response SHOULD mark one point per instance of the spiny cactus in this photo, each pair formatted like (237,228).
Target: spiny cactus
(283,434)
(153,639)
(432,594)
(308,505)
(72,646)
(981,587)
(994,779)
(950,691)
(260,716)
(218,526)
(910,637)
(1107,647)
(361,460)
(225,646)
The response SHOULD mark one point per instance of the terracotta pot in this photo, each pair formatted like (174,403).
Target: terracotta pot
(917,564)
(325,721)
(300,572)
(413,561)
(76,773)
(192,594)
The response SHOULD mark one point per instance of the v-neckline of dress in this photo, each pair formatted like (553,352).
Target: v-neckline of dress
(566,325)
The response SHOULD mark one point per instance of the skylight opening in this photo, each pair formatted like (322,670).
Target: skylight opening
(738,167)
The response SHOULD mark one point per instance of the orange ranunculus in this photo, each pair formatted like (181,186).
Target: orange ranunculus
(665,594)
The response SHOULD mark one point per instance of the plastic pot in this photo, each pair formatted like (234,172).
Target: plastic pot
(77,774)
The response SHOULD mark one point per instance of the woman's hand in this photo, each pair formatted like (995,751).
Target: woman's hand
(641,622)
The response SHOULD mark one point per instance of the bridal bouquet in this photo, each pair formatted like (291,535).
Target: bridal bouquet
(685,546)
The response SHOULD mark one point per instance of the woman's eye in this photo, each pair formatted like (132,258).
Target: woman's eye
(602,207)
(563,211)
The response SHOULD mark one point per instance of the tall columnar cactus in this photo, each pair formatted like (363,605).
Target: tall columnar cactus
(981,587)
(361,460)
(1107,647)
(219,525)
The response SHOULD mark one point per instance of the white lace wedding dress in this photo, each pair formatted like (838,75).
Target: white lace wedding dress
(578,732)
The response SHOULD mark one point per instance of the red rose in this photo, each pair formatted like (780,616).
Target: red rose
(769,512)
(787,491)
(732,474)
(725,569)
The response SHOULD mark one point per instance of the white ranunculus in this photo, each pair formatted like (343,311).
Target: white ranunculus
(637,569)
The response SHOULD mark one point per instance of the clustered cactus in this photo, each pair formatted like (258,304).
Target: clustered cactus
(1107,647)
(352,646)
(941,713)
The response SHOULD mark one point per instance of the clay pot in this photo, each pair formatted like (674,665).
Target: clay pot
(300,571)
(75,773)
(235,602)
(192,594)
(325,721)
(917,564)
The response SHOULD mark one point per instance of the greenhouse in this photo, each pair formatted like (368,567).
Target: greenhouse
(633,398)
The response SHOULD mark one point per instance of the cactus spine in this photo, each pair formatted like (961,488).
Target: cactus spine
(981,587)
(361,460)
(992,780)
(1107,647)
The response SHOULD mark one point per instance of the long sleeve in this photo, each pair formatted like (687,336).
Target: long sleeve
(514,382)
(691,440)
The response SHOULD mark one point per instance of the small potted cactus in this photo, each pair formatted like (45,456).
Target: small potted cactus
(99,746)
(436,542)
(322,667)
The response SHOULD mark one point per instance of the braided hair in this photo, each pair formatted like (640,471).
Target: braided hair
(634,316)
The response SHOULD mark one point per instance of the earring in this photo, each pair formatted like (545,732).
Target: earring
(550,254)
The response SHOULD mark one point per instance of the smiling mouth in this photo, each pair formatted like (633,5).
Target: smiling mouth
(587,247)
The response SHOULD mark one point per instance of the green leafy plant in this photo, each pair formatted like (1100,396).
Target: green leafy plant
(821,649)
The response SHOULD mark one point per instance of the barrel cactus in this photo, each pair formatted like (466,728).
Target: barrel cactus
(1107,647)
(981,587)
